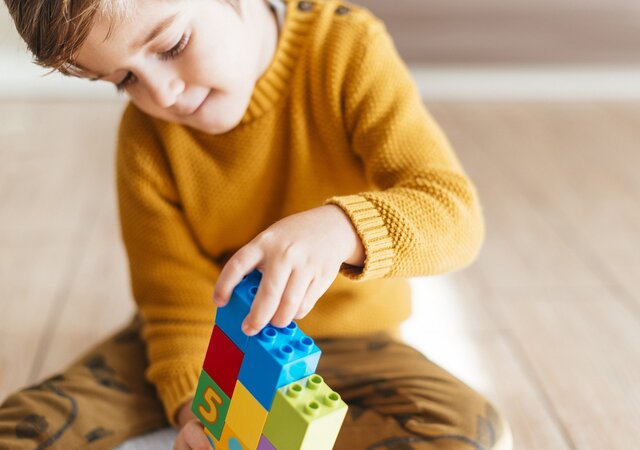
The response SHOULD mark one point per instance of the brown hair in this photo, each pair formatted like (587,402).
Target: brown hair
(55,29)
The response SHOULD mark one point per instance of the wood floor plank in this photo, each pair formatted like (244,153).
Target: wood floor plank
(51,157)
(31,276)
(583,348)
(485,361)
(572,181)
(99,299)
(453,325)
(51,174)
(448,303)
(512,254)
(551,206)
(538,323)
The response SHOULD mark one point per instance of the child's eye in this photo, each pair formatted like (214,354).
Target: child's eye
(129,78)
(171,53)
(176,49)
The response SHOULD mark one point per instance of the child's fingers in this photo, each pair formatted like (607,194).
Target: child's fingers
(274,279)
(241,263)
(316,289)
(195,437)
(180,443)
(292,298)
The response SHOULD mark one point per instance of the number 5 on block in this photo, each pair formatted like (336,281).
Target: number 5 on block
(210,405)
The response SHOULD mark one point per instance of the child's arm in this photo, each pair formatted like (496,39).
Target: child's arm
(421,217)
(172,280)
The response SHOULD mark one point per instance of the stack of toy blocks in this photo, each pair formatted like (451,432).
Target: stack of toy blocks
(261,392)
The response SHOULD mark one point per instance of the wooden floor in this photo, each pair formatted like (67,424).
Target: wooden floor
(546,323)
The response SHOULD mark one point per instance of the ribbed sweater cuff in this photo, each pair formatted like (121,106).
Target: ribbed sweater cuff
(177,389)
(371,229)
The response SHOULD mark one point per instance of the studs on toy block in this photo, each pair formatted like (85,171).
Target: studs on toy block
(306,415)
(223,360)
(276,357)
(230,317)
(210,404)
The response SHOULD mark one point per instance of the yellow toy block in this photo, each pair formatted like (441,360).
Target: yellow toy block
(214,442)
(230,440)
(246,416)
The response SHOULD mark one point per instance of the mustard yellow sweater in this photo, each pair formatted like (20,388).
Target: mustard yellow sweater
(335,119)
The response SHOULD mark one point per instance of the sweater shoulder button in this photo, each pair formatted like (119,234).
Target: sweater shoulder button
(342,10)
(305,6)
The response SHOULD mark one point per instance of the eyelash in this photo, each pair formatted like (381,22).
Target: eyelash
(173,52)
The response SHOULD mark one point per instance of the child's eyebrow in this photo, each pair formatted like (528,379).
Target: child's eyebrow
(159,28)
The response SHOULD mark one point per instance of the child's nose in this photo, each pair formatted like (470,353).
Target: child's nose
(165,90)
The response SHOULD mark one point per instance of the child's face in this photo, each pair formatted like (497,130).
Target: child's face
(199,70)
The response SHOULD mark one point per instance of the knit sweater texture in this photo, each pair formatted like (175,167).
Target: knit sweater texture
(335,119)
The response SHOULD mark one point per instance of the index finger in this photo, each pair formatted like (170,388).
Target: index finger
(240,264)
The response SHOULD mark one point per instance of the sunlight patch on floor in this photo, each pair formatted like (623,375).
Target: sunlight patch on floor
(438,329)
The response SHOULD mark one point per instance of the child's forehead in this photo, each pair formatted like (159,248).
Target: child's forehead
(134,15)
(121,35)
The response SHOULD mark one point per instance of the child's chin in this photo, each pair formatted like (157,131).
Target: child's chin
(219,114)
(216,125)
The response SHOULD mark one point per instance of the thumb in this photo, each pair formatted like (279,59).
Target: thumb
(195,437)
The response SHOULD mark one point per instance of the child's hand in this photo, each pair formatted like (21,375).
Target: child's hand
(191,435)
(299,257)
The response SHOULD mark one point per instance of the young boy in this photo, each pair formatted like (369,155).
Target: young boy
(285,136)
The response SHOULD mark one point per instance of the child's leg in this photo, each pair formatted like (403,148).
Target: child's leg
(399,399)
(98,402)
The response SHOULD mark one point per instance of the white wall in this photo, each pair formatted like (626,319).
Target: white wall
(21,78)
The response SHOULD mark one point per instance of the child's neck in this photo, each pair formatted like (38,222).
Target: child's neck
(270,33)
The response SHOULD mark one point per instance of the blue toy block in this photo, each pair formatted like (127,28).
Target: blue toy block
(230,317)
(276,357)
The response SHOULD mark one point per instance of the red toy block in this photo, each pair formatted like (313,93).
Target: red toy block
(223,361)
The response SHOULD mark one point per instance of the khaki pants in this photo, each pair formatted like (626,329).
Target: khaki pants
(397,399)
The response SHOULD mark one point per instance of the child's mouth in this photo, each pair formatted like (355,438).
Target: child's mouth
(197,108)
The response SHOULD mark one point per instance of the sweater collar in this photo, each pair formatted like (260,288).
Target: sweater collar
(272,85)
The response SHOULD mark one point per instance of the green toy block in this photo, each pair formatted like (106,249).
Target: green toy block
(305,415)
(210,404)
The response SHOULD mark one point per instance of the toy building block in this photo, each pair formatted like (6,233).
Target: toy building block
(230,318)
(276,357)
(246,416)
(228,441)
(210,404)
(212,439)
(223,360)
(240,392)
(306,415)
(264,444)
(231,441)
